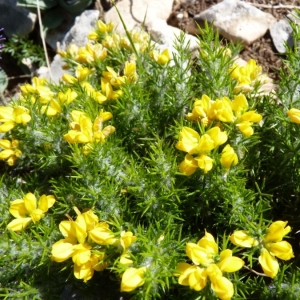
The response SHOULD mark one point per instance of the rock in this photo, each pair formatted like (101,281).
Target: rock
(165,35)
(55,36)
(237,20)
(15,19)
(135,12)
(281,33)
(56,70)
(78,34)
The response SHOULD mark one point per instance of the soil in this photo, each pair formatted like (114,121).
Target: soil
(262,50)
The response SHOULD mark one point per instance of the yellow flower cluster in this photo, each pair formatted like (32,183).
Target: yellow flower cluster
(26,210)
(89,54)
(78,243)
(225,110)
(191,142)
(209,264)
(247,76)
(10,152)
(10,116)
(85,132)
(271,246)
(51,103)
(110,81)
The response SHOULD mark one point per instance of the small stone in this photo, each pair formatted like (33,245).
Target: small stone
(281,33)
(237,21)
(136,12)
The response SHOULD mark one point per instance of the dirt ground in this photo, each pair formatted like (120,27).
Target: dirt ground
(262,50)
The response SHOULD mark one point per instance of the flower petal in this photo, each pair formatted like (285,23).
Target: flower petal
(30,202)
(18,224)
(282,250)
(132,278)
(62,250)
(269,263)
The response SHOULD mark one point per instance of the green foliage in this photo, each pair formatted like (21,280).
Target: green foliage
(24,47)
(108,143)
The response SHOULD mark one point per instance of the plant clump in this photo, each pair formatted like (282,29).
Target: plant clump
(110,176)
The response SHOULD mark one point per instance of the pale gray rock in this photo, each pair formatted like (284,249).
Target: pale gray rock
(135,12)
(55,36)
(78,34)
(16,19)
(281,34)
(165,36)
(237,20)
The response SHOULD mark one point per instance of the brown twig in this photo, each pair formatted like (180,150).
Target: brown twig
(275,6)
(255,272)
(19,76)
(43,37)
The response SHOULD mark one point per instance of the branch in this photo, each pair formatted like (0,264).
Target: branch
(275,6)
(255,272)
(43,38)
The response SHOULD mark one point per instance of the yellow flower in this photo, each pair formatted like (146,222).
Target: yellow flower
(105,28)
(188,140)
(86,270)
(108,91)
(26,210)
(192,276)
(204,162)
(271,245)
(191,142)
(132,279)
(239,104)
(102,235)
(10,116)
(125,259)
(10,153)
(81,128)
(100,133)
(221,110)
(220,284)
(269,263)
(161,58)
(246,76)
(276,231)
(294,115)
(68,78)
(201,110)
(229,157)
(91,53)
(76,245)
(127,238)
(208,264)
(246,120)
(242,239)
(84,131)
(112,77)
(38,87)
(130,71)
(188,166)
